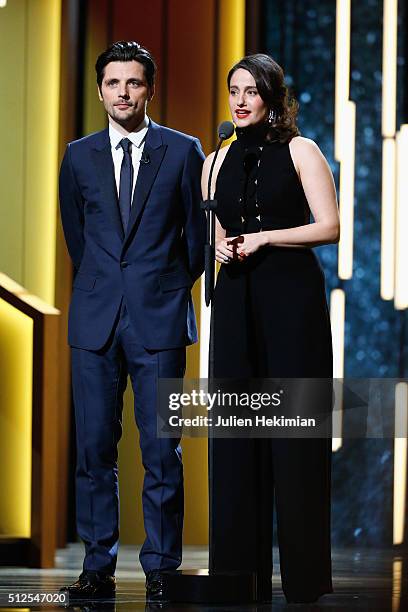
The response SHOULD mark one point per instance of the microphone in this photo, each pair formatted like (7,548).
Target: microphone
(145,159)
(225,130)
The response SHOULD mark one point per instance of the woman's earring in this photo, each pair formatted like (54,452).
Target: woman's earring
(271,116)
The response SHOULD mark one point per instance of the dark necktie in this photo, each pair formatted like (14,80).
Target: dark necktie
(126,182)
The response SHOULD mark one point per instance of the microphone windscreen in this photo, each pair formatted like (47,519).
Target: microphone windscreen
(225,130)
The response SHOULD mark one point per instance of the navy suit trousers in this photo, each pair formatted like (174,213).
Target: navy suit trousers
(99,381)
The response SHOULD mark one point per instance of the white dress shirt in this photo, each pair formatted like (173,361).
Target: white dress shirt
(137,138)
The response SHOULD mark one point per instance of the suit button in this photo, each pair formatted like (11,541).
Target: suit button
(124,264)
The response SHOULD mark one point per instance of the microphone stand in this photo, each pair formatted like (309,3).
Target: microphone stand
(210,206)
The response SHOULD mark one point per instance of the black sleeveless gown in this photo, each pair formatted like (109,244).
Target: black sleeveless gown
(270,320)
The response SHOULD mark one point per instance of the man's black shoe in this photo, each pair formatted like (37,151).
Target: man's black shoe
(156,588)
(91,585)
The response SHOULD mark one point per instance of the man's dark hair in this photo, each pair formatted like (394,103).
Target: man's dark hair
(126,51)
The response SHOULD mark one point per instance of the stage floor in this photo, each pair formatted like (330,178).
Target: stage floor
(368,579)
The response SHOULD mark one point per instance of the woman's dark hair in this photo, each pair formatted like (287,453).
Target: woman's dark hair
(126,51)
(270,83)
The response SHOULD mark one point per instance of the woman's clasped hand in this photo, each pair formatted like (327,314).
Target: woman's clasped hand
(238,248)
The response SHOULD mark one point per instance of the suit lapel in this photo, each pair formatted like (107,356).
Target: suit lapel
(102,159)
(154,150)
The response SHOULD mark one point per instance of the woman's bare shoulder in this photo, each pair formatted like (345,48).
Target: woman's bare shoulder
(303,145)
(207,165)
(220,158)
(306,154)
(218,163)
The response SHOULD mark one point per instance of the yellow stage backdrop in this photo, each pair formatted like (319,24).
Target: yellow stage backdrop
(29,70)
(16,354)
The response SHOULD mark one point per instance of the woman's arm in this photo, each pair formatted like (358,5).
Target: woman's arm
(223,251)
(318,184)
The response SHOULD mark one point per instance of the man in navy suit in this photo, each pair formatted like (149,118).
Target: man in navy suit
(130,209)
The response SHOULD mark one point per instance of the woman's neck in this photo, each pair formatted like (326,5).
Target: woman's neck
(252,135)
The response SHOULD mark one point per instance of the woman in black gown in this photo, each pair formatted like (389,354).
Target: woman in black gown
(271,320)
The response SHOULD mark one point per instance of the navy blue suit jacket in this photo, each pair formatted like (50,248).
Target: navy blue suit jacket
(154,265)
